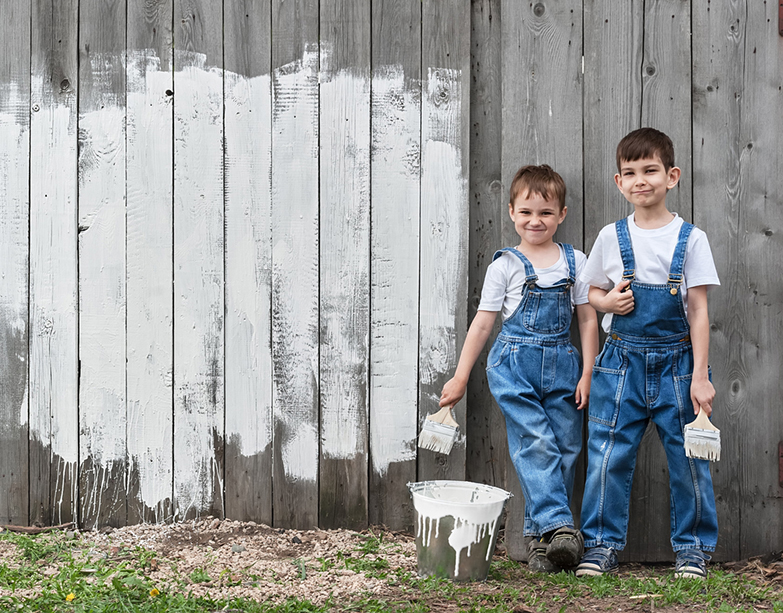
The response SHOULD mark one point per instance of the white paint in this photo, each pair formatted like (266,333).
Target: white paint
(149,278)
(474,507)
(345,260)
(295,222)
(396,127)
(248,263)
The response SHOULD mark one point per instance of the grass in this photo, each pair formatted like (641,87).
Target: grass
(52,573)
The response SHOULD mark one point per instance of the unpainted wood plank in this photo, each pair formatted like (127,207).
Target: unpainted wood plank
(295,228)
(149,254)
(395,175)
(666,106)
(53,263)
(248,100)
(444,217)
(542,124)
(102,298)
(14,254)
(738,63)
(198,259)
(344,265)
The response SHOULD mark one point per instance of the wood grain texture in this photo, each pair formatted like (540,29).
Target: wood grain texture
(198,260)
(344,266)
(149,253)
(542,124)
(102,298)
(14,254)
(248,110)
(53,264)
(295,234)
(737,67)
(444,216)
(395,164)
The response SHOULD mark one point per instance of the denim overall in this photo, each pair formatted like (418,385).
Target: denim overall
(644,372)
(532,370)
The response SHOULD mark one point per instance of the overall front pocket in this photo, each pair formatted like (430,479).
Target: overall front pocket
(606,388)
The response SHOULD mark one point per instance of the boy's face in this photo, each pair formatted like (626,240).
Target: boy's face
(645,182)
(535,219)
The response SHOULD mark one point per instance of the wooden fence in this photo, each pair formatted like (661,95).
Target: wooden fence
(241,242)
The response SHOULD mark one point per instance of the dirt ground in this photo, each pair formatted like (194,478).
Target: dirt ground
(227,559)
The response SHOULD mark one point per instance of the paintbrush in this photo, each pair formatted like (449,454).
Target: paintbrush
(702,439)
(439,431)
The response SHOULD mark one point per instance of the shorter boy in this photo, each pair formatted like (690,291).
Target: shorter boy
(533,370)
(649,273)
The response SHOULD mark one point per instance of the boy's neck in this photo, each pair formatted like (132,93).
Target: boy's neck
(652,218)
(540,256)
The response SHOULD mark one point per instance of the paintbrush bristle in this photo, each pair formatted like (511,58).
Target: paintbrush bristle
(702,444)
(437,437)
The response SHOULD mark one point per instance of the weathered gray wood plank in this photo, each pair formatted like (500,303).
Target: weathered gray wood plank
(14,254)
(295,274)
(248,100)
(53,264)
(102,299)
(150,252)
(396,160)
(737,68)
(542,124)
(444,215)
(198,259)
(344,265)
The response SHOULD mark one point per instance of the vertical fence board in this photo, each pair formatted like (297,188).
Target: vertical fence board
(198,259)
(344,266)
(53,267)
(444,215)
(14,254)
(738,62)
(102,300)
(150,332)
(295,224)
(248,100)
(396,161)
(542,124)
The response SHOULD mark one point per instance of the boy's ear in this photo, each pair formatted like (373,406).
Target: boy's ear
(511,210)
(618,181)
(563,212)
(674,177)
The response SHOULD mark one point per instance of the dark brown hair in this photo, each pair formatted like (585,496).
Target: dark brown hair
(646,143)
(541,180)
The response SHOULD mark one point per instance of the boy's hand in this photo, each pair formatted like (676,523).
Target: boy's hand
(619,300)
(452,392)
(702,395)
(582,395)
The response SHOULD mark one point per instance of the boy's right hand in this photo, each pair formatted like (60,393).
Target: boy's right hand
(619,300)
(452,392)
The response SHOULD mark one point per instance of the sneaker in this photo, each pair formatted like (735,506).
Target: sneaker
(537,561)
(597,561)
(691,564)
(566,547)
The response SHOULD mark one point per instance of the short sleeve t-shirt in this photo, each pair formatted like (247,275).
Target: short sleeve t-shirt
(505,280)
(653,251)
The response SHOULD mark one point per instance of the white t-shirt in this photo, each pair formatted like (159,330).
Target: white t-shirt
(505,280)
(652,251)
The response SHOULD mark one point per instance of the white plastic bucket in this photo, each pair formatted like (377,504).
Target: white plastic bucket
(456,527)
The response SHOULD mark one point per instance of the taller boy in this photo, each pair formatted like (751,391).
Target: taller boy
(649,273)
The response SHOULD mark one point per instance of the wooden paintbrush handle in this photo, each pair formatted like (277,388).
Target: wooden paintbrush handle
(702,421)
(444,417)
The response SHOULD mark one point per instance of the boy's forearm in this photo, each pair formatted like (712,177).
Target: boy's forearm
(595,297)
(588,336)
(477,336)
(699,321)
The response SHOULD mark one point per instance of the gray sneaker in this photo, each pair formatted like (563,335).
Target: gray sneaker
(537,561)
(566,547)
(597,561)
(691,564)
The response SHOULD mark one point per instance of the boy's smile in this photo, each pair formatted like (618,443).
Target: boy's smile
(535,218)
(645,182)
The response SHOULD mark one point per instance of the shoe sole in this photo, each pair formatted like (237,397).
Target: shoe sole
(563,557)
(594,572)
(687,575)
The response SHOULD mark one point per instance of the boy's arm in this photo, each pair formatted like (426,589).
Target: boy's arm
(618,300)
(702,391)
(478,333)
(588,335)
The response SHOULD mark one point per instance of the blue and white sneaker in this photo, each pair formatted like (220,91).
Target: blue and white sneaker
(597,561)
(691,564)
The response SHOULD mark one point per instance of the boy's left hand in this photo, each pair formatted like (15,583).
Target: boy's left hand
(702,395)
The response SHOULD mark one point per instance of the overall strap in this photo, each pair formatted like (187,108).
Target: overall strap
(626,249)
(678,259)
(530,274)
(571,260)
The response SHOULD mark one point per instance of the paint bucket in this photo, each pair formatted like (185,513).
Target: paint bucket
(456,527)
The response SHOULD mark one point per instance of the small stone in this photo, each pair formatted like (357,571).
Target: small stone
(296,540)
(215,524)
(238,548)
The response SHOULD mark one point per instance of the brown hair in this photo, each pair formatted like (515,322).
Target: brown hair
(541,180)
(646,143)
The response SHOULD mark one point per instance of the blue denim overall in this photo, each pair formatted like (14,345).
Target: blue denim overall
(532,370)
(644,372)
